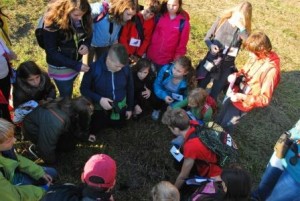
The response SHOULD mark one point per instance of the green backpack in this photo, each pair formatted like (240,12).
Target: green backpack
(218,141)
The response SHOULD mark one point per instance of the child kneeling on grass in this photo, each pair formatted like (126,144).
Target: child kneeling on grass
(20,178)
(195,153)
(98,177)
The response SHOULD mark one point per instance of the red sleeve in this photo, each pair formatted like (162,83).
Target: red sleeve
(148,27)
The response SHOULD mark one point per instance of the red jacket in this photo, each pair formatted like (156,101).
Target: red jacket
(130,31)
(262,77)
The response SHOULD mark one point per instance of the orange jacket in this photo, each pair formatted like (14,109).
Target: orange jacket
(130,31)
(262,77)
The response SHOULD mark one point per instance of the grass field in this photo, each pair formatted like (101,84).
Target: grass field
(141,149)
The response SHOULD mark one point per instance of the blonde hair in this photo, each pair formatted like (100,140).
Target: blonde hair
(198,97)
(245,8)
(165,191)
(117,9)
(7,130)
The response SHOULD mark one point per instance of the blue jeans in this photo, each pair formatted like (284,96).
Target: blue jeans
(65,87)
(267,183)
(229,116)
(286,188)
(24,179)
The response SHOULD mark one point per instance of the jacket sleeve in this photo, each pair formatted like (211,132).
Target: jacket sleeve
(180,104)
(10,192)
(267,88)
(158,84)
(51,41)
(130,90)
(87,84)
(210,33)
(124,35)
(184,38)
(18,95)
(148,27)
(29,167)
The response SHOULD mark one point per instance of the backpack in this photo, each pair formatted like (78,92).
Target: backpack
(209,190)
(103,13)
(39,32)
(218,141)
(209,103)
(63,192)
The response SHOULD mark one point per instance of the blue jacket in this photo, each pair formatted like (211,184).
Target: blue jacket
(99,82)
(101,35)
(61,52)
(161,81)
(294,170)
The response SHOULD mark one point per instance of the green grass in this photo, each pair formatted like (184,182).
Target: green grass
(142,149)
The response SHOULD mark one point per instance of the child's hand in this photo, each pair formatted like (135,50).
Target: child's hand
(47,178)
(84,68)
(138,109)
(146,94)
(83,50)
(128,114)
(106,103)
(237,97)
(168,99)
(214,49)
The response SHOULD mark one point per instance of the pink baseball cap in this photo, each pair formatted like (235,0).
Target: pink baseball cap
(100,171)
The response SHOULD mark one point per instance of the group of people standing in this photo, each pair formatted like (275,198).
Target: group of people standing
(134,59)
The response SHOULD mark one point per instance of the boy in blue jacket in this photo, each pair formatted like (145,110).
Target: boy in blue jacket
(109,85)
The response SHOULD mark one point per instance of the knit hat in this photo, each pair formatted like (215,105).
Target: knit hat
(100,171)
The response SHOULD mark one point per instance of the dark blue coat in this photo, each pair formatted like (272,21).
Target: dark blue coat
(99,82)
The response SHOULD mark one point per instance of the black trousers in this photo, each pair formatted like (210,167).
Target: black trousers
(5,88)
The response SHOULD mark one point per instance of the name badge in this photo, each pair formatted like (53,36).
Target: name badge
(232,52)
(177,97)
(135,42)
(176,153)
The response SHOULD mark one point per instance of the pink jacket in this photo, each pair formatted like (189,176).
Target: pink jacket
(168,43)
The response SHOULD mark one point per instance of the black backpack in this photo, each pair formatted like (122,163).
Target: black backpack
(63,192)
(218,141)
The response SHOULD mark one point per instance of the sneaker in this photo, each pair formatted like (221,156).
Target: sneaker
(155,115)
(33,151)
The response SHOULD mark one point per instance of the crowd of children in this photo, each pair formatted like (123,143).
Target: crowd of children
(134,60)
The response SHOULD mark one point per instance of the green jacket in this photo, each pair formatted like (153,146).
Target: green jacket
(10,192)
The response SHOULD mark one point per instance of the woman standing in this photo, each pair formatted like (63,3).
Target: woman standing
(67,35)
(223,41)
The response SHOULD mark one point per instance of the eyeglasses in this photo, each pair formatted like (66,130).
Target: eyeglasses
(293,160)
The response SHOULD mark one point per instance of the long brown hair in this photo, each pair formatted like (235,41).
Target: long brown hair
(186,64)
(58,15)
(117,9)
